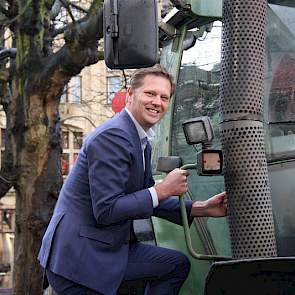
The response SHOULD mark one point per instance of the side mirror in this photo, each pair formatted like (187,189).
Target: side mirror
(130,33)
(167,164)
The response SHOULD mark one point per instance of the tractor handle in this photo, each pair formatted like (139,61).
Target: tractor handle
(186,229)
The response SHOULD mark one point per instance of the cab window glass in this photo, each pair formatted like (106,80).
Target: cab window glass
(280,82)
(197,90)
(197,94)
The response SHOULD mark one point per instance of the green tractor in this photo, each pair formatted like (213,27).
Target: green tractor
(234,63)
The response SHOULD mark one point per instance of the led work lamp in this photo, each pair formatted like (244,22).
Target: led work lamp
(199,130)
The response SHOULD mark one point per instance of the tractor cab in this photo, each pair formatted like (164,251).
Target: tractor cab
(234,63)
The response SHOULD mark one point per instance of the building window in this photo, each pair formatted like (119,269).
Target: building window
(65,139)
(2,138)
(73,91)
(7,215)
(113,85)
(2,156)
(65,164)
(76,89)
(2,145)
(72,142)
(65,95)
(78,139)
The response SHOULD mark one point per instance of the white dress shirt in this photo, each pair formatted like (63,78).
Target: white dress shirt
(144,136)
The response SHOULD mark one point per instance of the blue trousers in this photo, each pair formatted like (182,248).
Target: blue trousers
(165,270)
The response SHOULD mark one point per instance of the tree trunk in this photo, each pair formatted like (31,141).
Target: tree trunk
(33,150)
(39,180)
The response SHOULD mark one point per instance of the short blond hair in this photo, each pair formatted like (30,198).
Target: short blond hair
(137,77)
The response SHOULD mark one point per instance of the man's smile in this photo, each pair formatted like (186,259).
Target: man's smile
(153,111)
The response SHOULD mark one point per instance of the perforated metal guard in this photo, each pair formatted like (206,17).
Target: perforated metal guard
(246,177)
(242,75)
(241,94)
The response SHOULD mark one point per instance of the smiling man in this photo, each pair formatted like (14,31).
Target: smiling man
(149,102)
(89,246)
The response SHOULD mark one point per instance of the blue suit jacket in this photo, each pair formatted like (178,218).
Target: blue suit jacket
(88,235)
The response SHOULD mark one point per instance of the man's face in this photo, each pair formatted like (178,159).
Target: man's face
(149,103)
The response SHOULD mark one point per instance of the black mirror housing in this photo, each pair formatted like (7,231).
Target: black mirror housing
(130,33)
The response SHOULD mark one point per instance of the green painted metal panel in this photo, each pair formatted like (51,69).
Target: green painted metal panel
(206,8)
(168,234)
(171,236)
(170,60)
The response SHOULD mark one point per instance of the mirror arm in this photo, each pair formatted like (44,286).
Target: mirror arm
(168,29)
(115,13)
(115,29)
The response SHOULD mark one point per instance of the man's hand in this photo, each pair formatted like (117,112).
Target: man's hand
(174,184)
(213,207)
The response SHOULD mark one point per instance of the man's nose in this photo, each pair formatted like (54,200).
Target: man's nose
(157,100)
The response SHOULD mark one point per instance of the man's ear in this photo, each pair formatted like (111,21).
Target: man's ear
(129,95)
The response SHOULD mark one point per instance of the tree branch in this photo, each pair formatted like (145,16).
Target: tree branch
(4,11)
(7,52)
(87,31)
(58,4)
(7,174)
(65,28)
(4,75)
(6,182)
(78,116)
(59,31)
(15,18)
(78,7)
(80,49)
(55,9)
(95,6)
(66,5)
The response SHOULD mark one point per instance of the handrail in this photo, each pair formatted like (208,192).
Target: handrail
(186,229)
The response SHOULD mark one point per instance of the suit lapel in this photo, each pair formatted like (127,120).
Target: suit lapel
(137,144)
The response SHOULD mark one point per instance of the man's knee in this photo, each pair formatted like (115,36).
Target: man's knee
(183,266)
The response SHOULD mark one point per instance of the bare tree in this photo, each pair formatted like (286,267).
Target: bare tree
(34,69)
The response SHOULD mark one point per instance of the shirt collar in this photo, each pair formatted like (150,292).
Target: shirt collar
(150,134)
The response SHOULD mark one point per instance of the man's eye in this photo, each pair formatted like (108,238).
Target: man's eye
(149,93)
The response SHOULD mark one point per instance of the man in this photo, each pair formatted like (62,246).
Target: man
(90,246)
